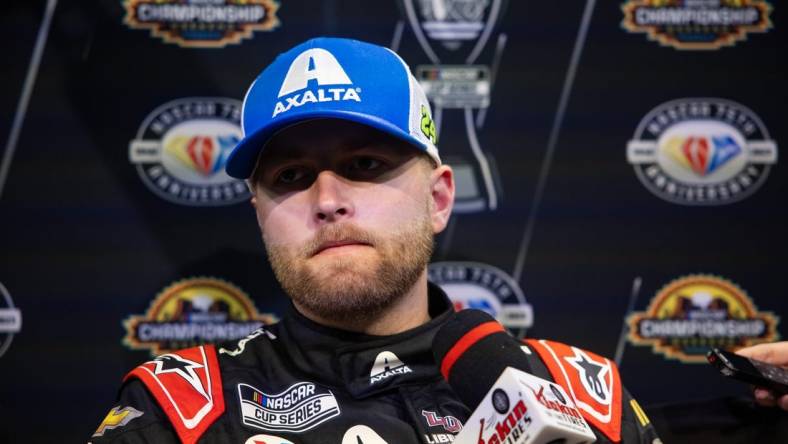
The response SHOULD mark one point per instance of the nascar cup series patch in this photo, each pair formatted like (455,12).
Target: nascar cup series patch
(484,287)
(181,148)
(703,151)
(692,314)
(694,24)
(201,23)
(194,311)
(298,408)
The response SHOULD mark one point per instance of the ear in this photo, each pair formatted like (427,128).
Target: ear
(442,184)
(255,204)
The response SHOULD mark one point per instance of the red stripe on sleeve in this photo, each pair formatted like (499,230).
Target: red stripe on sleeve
(466,341)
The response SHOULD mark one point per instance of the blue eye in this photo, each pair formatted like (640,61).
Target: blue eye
(363,163)
(290,175)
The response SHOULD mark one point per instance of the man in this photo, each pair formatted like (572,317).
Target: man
(349,190)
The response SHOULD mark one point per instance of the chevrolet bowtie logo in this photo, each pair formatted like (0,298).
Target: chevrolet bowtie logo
(117,417)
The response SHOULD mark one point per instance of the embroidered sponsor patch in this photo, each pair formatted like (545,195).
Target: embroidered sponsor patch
(592,381)
(386,365)
(449,423)
(361,434)
(117,417)
(298,408)
(321,67)
(188,387)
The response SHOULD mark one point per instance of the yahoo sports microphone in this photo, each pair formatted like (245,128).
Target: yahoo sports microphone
(489,371)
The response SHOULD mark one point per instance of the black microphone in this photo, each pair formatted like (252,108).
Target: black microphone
(490,373)
(473,349)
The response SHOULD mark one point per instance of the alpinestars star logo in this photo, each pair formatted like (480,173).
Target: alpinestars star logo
(171,363)
(592,375)
(321,66)
(386,365)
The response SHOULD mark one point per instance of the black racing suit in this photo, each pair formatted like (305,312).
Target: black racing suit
(300,382)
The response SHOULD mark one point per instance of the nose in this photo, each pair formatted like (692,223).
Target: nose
(332,202)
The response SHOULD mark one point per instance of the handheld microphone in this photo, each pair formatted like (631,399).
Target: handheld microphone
(490,372)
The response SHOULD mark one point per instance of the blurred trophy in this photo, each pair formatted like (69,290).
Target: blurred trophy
(453,35)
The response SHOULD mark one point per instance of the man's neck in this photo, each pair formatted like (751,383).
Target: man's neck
(407,312)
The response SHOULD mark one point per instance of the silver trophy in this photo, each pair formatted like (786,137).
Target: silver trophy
(453,34)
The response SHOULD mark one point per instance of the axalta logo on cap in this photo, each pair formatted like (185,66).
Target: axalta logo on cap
(319,65)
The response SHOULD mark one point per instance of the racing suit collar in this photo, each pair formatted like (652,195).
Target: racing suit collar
(362,364)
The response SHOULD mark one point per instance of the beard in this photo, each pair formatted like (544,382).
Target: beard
(357,287)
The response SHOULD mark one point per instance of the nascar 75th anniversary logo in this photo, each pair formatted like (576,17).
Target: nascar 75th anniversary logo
(182,146)
(202,23)
(694,313)
(702,151)
(696,24)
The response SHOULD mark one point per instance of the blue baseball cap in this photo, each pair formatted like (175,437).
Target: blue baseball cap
(333,78)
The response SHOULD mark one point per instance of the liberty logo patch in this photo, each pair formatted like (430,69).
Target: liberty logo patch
(449,423)
(298,408)
(387,364)
(321,67)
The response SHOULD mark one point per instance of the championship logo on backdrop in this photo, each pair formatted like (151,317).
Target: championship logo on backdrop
(181,149)
(696,24)
(484,287)
(703,151)
(453,34)
(10,320)
(202,23)
(191,312)
(692,314)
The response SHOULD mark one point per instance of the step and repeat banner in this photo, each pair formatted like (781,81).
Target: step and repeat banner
(619,183)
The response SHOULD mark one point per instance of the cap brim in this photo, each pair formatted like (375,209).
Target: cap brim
(241,162)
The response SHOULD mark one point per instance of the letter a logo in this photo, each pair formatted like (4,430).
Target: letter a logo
(317,64)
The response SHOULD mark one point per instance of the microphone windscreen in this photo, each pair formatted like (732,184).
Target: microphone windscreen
(472,350)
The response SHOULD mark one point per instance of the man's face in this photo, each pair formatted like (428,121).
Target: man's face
(348,216)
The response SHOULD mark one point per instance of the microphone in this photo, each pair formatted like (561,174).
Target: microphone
(490,372)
